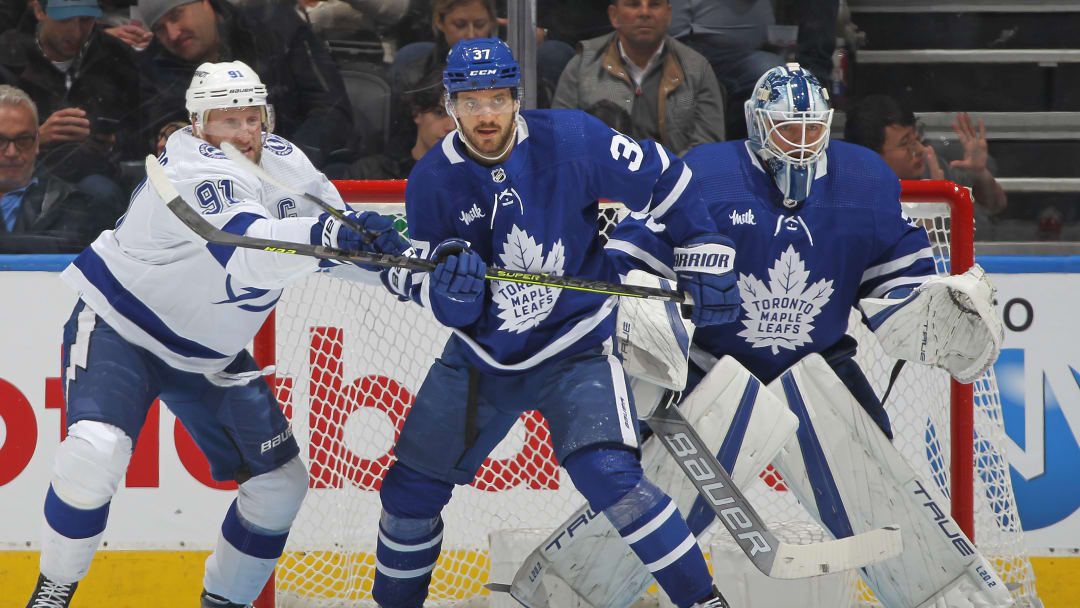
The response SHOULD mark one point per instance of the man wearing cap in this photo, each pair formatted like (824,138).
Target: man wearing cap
(85,85)
(307,92)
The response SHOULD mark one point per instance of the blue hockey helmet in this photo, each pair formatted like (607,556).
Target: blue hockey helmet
(788,119)
(481,63)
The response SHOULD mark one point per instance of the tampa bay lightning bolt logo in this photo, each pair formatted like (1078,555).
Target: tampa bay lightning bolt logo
(278,146)
(211,152)
(249,293)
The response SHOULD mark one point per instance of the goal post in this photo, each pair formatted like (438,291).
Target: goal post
(350,357)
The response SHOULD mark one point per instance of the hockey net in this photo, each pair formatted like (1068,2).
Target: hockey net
(350,358)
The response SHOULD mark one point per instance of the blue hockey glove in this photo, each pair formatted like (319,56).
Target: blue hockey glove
(329,231)
(704,266)
(457,283)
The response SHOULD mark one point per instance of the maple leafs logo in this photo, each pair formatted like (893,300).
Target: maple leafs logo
(522,306)
(781,315)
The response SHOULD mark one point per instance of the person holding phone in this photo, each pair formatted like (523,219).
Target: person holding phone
(85,85)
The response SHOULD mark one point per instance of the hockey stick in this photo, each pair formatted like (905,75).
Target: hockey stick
(772,557)
(238,157)
(195,221)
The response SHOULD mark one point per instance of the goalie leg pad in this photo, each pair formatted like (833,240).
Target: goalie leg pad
(852,479)
(586,551)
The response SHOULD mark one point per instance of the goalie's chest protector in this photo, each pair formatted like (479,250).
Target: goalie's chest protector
(530,213)
(799,270)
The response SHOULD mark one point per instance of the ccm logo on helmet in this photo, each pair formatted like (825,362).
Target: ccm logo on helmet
(482,72)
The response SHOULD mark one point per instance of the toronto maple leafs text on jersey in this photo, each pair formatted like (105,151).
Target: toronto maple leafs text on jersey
(193,304)
(799,270)
(539,212)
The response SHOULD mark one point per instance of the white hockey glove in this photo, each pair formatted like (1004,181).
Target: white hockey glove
(654,339)
(948,322)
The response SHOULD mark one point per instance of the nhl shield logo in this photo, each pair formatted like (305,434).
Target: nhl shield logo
(498,175)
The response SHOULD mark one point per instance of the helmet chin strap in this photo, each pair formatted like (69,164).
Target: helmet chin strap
(465,140)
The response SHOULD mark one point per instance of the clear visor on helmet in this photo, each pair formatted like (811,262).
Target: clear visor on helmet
(797,138)
(502,102)
(235,122)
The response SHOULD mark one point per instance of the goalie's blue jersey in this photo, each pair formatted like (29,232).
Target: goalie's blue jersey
(800,270)
(538,212)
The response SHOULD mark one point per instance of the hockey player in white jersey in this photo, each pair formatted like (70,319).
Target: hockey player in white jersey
(162,313)
(520,189)
(819,229)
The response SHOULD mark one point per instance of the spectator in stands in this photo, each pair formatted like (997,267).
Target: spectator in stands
(644,83)
(345,19)
(880,123)
(432,124)
(732,35)
(39,212)
(311,107)
(85,86)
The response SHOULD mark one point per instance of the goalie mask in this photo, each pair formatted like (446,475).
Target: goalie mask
(788,120)
(226,85)
(482,64)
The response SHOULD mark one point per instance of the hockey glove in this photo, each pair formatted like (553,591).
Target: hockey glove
(457,283)
(704,266)
(329,231)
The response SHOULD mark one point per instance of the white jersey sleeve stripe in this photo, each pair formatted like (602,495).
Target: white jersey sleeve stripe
(644,256)
(665,160)
(676,192)
(901,263)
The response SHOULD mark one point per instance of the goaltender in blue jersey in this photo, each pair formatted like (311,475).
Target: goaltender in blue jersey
(817,230)
(519,190)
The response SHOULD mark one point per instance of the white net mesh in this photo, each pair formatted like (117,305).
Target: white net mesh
(350,358)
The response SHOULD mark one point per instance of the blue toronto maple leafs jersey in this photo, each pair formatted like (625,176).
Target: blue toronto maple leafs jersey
(538,212)
(800,270)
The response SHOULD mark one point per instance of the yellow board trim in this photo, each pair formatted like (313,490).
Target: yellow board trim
(173,579)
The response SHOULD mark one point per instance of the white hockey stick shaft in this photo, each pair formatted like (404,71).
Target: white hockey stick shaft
(772,557)
(207,231)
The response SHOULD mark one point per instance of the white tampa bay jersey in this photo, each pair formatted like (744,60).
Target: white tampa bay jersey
(194,304)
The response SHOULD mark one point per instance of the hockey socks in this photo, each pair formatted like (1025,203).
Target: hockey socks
(407,552)
(661,539)
(243,559)
(70,537)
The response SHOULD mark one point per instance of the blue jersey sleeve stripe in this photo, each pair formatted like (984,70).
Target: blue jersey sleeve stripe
(127,304)
(237,225)
(674,194)
(897,264)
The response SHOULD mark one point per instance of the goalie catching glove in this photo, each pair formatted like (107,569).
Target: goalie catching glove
(947,322)
(704,266)
(329,231)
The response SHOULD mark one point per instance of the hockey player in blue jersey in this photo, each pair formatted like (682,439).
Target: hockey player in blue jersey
(819,229)
(163,313)
(520,190)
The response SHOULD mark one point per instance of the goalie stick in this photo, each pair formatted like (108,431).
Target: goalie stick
(772,557)
(207,231)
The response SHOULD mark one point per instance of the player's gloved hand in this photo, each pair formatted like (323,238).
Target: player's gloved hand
(330,231)
(704,266)
(457,283)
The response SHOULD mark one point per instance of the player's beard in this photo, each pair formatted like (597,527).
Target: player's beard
(495,145)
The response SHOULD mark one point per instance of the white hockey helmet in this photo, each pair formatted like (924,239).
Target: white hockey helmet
(230,84)
(785,96)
